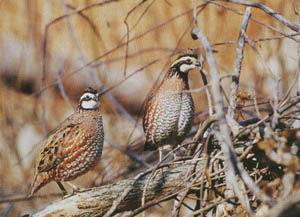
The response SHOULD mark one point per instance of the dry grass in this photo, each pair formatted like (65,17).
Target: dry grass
(89,48)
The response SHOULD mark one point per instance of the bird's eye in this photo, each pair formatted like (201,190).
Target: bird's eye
(189,61)
(87,97)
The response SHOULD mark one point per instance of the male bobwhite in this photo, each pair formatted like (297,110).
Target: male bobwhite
(74,147)
(169,110)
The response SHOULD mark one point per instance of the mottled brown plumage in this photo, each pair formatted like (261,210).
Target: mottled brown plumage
(74,147)
(169,111)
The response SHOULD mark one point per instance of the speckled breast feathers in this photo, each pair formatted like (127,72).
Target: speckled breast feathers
(169,111)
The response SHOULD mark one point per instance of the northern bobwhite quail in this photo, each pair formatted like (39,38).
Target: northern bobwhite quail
(169,111)
(74,147)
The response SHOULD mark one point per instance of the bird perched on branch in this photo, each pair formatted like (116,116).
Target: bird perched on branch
(74,147)
(169,111)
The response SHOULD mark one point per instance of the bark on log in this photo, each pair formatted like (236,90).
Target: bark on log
(97,201)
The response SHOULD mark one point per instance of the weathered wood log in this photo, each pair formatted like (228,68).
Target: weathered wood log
(97,201)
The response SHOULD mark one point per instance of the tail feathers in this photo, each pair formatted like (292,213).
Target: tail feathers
(150,147)
(39,181)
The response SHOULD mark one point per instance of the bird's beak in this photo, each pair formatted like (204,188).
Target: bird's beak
(198,63)
(96,98)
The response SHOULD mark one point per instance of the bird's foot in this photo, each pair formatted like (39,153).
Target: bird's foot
(77,189)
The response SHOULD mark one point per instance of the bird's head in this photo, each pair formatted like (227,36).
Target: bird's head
(185,63)
(89,99)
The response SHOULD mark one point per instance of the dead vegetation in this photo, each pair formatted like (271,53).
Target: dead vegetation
(242,155)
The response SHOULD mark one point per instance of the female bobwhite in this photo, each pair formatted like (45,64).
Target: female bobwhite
(169,110)
(74,147)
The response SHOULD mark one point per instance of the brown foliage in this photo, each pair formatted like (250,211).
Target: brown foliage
(87,43)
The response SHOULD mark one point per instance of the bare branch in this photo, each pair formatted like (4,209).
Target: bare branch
(298,50)
(93,72)
(90,22)
(128,30)
(267,10)
(238,64)
(62,89)
(94,61)
(207,88)
(255,20)
(223,135)
(98,201)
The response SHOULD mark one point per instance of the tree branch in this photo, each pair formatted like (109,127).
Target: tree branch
(238,63)
(97,201)
(267,10)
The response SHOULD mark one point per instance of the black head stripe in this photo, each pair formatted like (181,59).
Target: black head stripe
(90,90)
(183,60)
(188,55)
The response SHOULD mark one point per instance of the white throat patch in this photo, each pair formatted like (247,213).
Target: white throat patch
(89,101)
(91,104)
(186,67)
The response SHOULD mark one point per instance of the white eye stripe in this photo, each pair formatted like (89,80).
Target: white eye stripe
(184,59)
(87,94)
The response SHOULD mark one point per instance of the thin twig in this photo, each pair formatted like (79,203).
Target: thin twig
(298,50)
(117,202)
(128,30)
(151,203)
(84,8)
(195,13)
(208,207)
(194,176)
(154,170)
(45,40)
(276,78)
(137,20)
(207,89)
(238,64)
(289,91)
(130,155)
(268,11)
(93,72)
(223,136)
(204,126)
(90,22)
(202,71)
(278,37)
(62,89)
(255,20)
(253,94)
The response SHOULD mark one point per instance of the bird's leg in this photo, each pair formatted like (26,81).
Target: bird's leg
(160,153)
(76,188)
(62,188)
(174,155)
(177,148)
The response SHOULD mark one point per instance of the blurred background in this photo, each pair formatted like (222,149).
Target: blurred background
(50,51)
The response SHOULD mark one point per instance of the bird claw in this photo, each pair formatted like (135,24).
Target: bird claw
(80,190)
(67,195)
